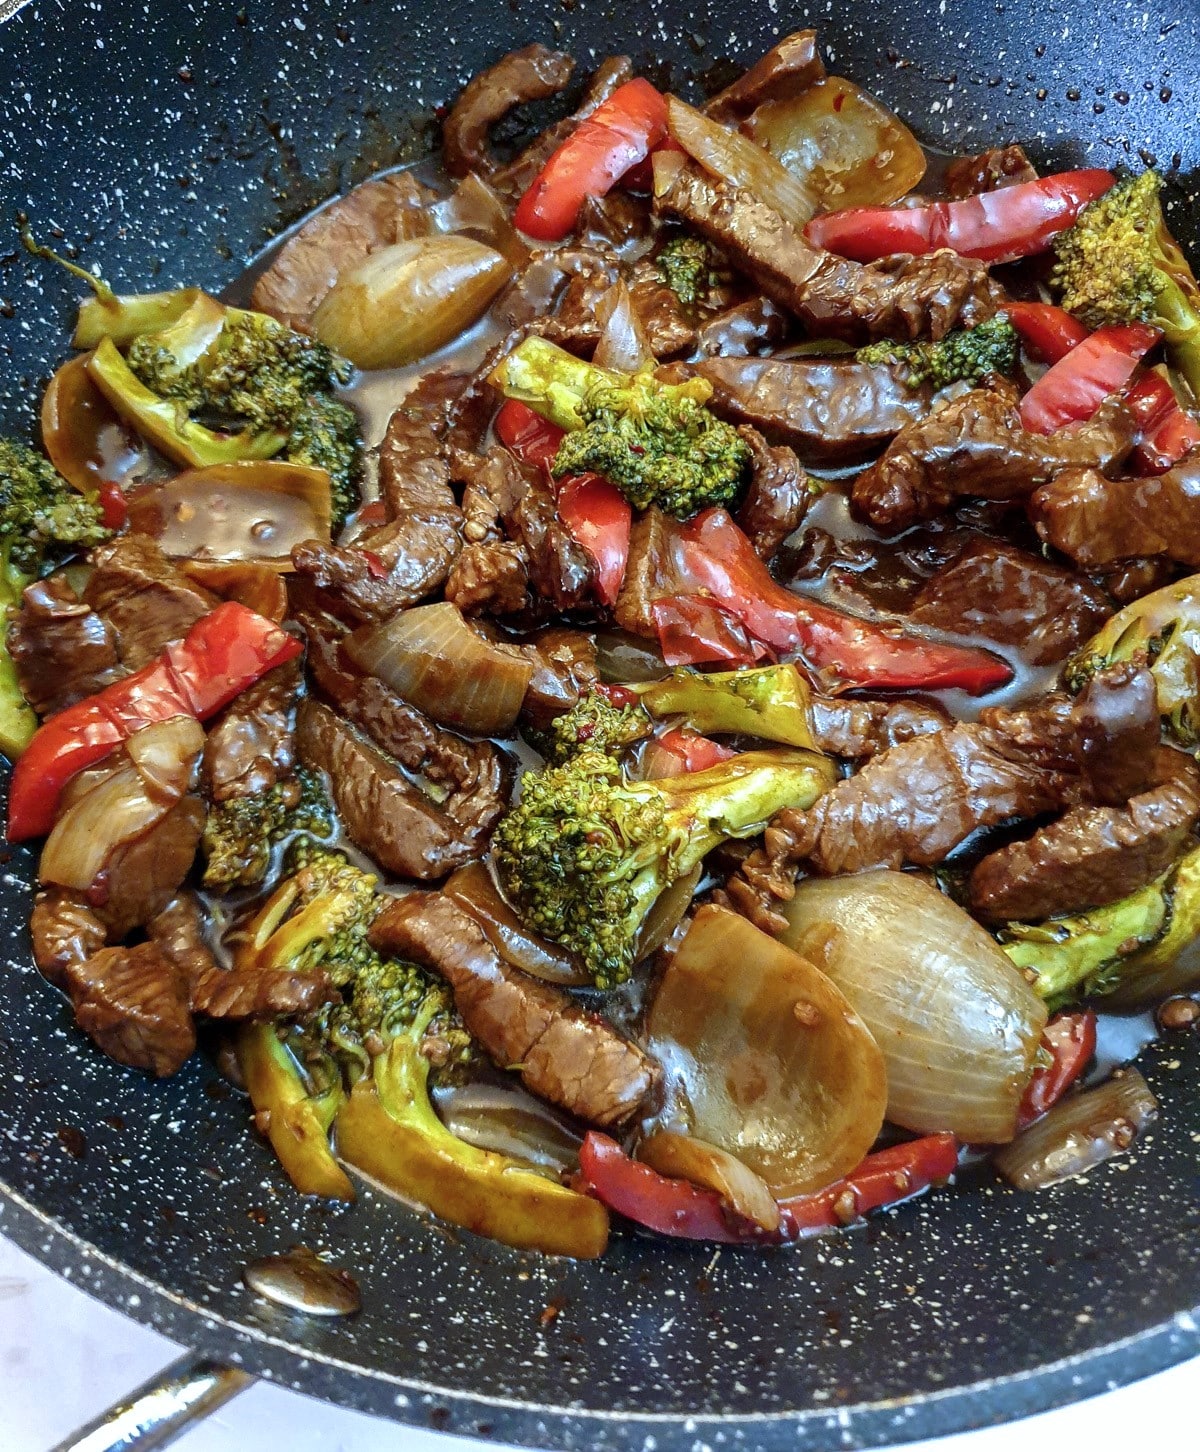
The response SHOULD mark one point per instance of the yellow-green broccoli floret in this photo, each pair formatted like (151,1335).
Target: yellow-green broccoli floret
(689,267)
(586,852)
(657,442)
(963,356)
(239,833)
(1120,264)
(594,723)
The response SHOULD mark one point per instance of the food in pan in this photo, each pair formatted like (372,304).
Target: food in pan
(655,675)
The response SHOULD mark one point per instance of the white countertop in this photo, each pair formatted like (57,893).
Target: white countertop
(64,1357)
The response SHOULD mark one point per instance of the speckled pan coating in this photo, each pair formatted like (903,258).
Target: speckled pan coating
(173,140)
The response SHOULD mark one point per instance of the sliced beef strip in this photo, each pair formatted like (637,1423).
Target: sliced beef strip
(251,748)
(383,811)
(142,876)
(1117,724)
(376,214)
(917,801)
(564,666)
(897,297)
(557,293)
(831,411)
(743,330)
(859,729)
(529,74)
(134,1003)
(145,600)
(1090,857)
(64,930)
(777,497)
(1014,598)
(489,579)
(999,166)
(387,569)
(565,1054)
(787,70)
(516,178)
(615,220)
(1128,582)
(1099,522)
(61,649)
(651,573)
(974,446)
(230,993)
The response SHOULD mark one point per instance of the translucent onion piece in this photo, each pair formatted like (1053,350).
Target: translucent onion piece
(623,345)
(1080,1132)
(683,1157)
(166,753)
(774,1065)
(251,510)
(958,1024)
(257,586)
(83,434)
(668,911)
(406,301)
(433,659)
(474,210)
(844,145)
(87,834)
(473,889)
(506,1119)
(628,659)
(735,158)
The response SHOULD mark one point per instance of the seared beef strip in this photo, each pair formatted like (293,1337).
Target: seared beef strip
(787,70)
(142,876)
(743,330)
(489,579)
(833,411)
(340,236)
(61,649)
(564,666)
(529,74)
(1099,521)
(134,1004)
(567,1055)
(1014,598)
(999,166)
(651,572)
(65,930)
(859,729)
(975,446)
(516,178)
(557,293)
(230,993)
(919,800)
(1117,724)
(777,497)
(897,297)
(250,748)
(398,564)
(145,600)
(384,812)
(1089,857)
(1128,582)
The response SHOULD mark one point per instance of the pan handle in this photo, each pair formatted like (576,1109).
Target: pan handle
(162,1408)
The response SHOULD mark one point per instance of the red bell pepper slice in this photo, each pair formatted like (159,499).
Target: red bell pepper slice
(114,511)
(672,1207)
(721,561)
(223,653)
(1070,1039)
(677,1208)
(884,1178)
(619,133)
(1072,389)
(695,631)
(1165,431)
(696,752)
(594,512)
(998,226)
(1048,333)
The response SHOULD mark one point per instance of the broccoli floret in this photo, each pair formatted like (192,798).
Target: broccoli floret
(657,442)
(965,355)
(42,519)
(1129,952)
(326,435)
(585,852)
(594,723)
(240,833)
(688,266)
(1120,264)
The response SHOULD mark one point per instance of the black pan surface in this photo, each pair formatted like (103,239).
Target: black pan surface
(171,142)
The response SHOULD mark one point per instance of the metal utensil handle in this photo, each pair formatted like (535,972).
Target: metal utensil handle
(162,1408)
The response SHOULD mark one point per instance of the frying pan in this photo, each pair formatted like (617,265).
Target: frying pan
(172,145)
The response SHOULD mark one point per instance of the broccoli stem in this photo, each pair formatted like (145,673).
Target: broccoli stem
(550,380)
(770,702)
(17,719)
(124,319)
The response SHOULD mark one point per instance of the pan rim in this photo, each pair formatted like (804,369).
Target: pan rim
(409,1400)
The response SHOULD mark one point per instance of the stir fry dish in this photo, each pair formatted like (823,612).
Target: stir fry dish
(651,675)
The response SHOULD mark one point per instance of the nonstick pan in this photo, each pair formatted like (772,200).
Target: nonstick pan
(171,142)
